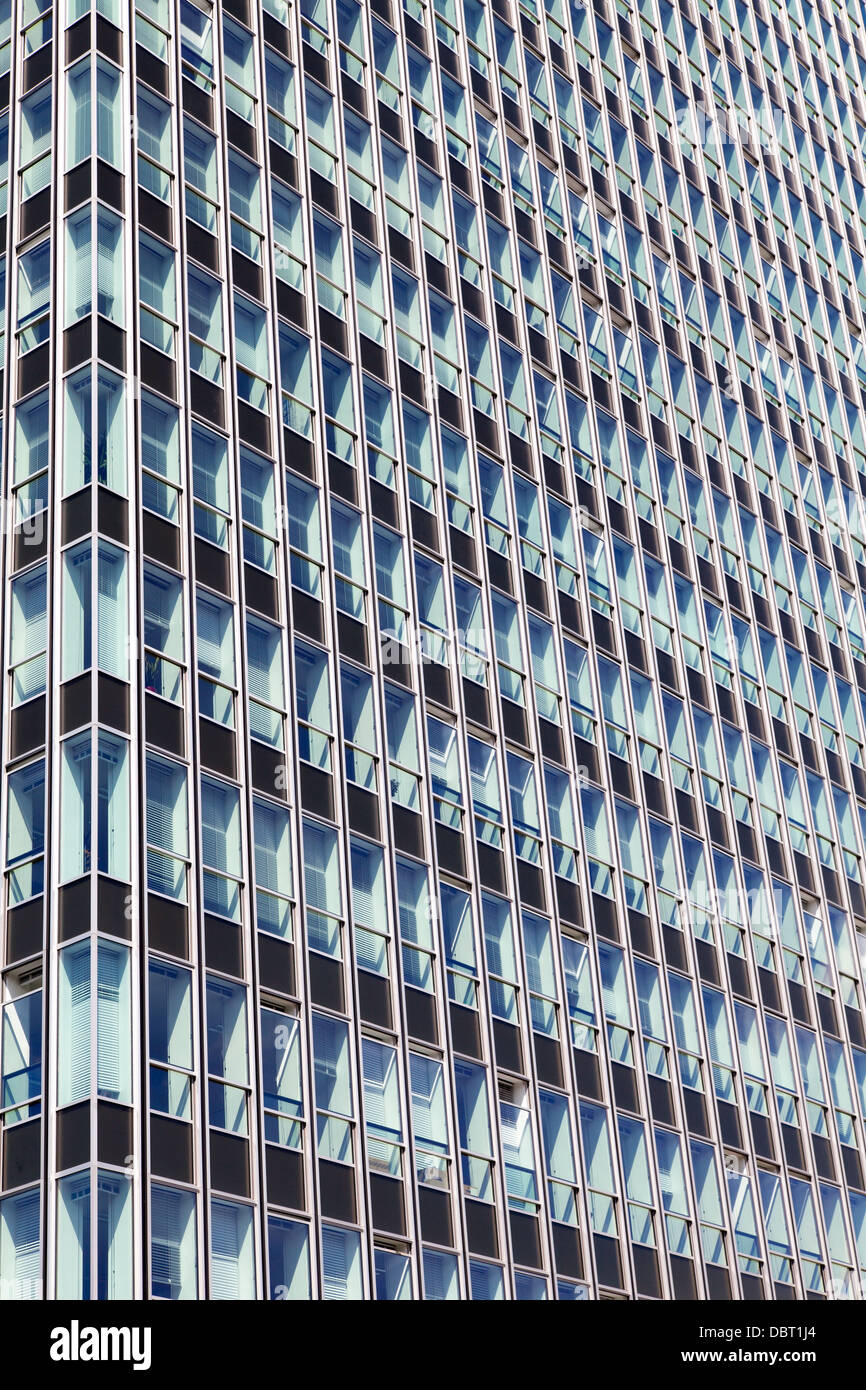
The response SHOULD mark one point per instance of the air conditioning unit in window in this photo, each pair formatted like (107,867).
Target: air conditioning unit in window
(736,1163)
(432,1174)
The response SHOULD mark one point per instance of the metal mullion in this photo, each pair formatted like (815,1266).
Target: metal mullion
(292,764)
(191,762)
(53,746)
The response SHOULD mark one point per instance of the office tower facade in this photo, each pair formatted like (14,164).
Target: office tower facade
(433,796)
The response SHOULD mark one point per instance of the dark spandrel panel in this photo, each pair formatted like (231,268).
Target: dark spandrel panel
(661,1101)
(425,529)
(853,1166)
(640,932)
(771,994)
(164,724)
(284,1169)
(317,791)
(253,427)
(708,962)
(110,185)
(408,831)
(548,1059)
(111,344)
(620,772)
(217,748)
(343,478)
(625,1087)
(276,964)
(76,517)
(27,727)
(160,540)
(109,40)
(374,999)
(337,1191)
(799,1003)
(77,185)
(374,359)
(212,566)
(34,368)
(738,973)
(412,383)
(718,1283)
(604,916)
(525,1239)
(465,1031)
(762,1136)
(207,400)
(684,1280)
(299,454)
(315,64)
(854,1022)
(387,1199)
(384,504)
(753,1289)
(792,1143)
(324,193)
(491,867)
(73,909)
(155,215)
(364,222)
(77,39)
(514,722)
(535,593)
(197,103)
(114,1143)
(696,1113)
(333,331)
(436,1224)
(73,1135)
(268,768)
(608,1262)
(168,926)
(202,246)
(567,1251)
(114,907)
(531,888)
(22,1153)
(352,639)
(240,9)
(148,67)
(353,93)
(223,946)
(450,850)
(326,982)
(38,67)
(112,515)
(729,1123)
(437,684)
(476,703)
(308,615)
(229,1163)
(421,1015)
(506,1040)
(568,901)
(260,592)
(587,1073)
(157,370)
(674,947)
(24,930)
(481,1233)
(363,811)
(646,1271)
